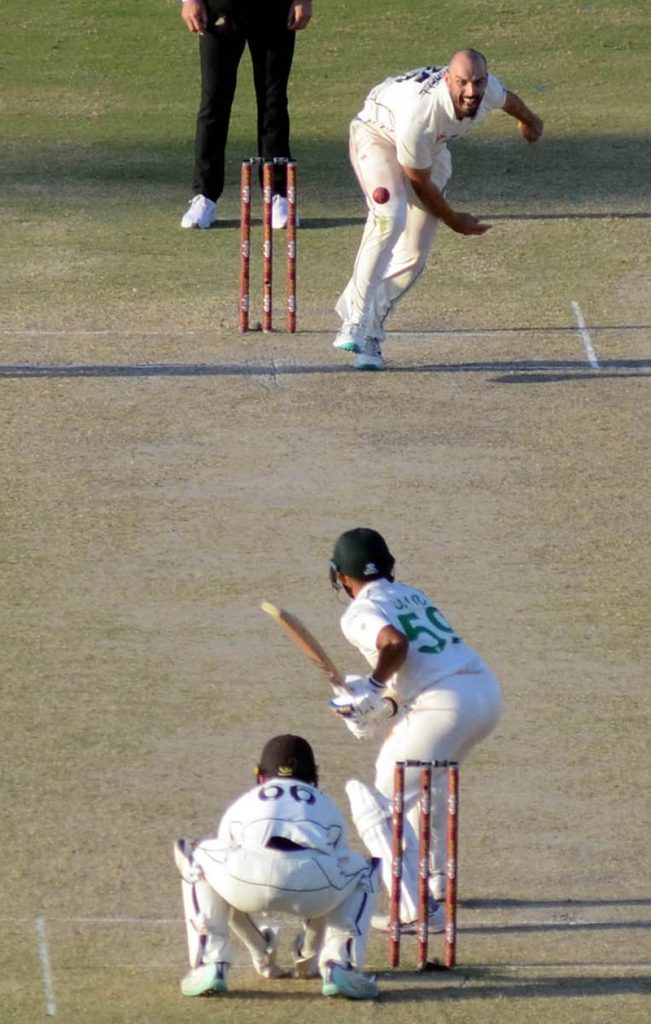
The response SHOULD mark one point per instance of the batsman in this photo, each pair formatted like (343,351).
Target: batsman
(435,693)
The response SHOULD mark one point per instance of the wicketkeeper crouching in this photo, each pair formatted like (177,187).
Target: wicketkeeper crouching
(280,848)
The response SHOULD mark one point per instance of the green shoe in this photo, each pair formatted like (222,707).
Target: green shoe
(343,980)
(205,980)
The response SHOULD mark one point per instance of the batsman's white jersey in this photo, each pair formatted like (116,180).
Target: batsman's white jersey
(280,848)
(448,700)
(406,121)
(414,112)
(435,650)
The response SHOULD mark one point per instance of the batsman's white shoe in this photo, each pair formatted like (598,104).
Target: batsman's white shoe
(200,214)
(265,963)
(370,356)
(206,980)
(435,922)
(304,966)
(344,980)
(437,886)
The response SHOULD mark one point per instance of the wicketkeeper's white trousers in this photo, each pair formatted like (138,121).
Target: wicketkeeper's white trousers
(398,234)
(334,897)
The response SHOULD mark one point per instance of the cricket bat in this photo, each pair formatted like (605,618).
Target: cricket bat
(307,643)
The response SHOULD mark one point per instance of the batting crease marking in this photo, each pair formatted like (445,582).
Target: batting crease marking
(46,970)
(585,336)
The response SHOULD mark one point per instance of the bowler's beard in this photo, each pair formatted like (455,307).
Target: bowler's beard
(463,112)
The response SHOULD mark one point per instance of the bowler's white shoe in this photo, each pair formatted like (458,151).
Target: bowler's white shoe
(200,214)
(204,980)
(350,338)
(370,356)
(344,980)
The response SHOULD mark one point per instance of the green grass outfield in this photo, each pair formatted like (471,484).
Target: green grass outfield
(161,475)
(97,122)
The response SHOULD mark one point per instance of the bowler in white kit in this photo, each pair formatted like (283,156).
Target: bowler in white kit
(399,152)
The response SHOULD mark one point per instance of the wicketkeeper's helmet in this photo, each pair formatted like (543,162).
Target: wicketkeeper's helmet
(363,554)
(288,757)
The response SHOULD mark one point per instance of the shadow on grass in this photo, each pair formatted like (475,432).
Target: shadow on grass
(533,372)
(565,171)
(549,986)
(566,904)
(555,926)
(485,983)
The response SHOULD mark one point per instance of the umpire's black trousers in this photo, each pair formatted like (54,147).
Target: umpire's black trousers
(262,25)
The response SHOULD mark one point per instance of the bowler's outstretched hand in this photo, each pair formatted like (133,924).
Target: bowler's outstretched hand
(532,129)
(466,224)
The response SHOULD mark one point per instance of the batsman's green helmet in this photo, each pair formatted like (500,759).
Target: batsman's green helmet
(361,553)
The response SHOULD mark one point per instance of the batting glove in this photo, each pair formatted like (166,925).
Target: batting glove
(360,705)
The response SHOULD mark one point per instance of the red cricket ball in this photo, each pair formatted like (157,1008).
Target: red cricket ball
(381,195)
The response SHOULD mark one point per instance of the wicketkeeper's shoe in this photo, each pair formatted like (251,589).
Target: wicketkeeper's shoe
(435,922)
(344,980)
(200,214)
(265,963)
(206,980)
(370,356)
(304,966)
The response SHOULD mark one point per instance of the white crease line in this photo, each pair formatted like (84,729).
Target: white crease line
(46,970)
(472,927)
(103,332)
(585,336)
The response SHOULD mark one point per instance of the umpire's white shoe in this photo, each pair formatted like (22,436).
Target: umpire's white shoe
(344,980)
(370,356)
(205,980)
(435,922)
(265,963)
(200,214)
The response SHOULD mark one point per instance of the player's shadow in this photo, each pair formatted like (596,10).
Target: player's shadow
(566,911)
(558,177)
(518,372)
(306,223)
(500,903)
(497,985)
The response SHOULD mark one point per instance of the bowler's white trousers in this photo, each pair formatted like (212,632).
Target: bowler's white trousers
(333,896)
(398,234)
(443,723)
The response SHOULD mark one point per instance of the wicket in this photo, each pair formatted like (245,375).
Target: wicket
(451,867)
(267,242)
